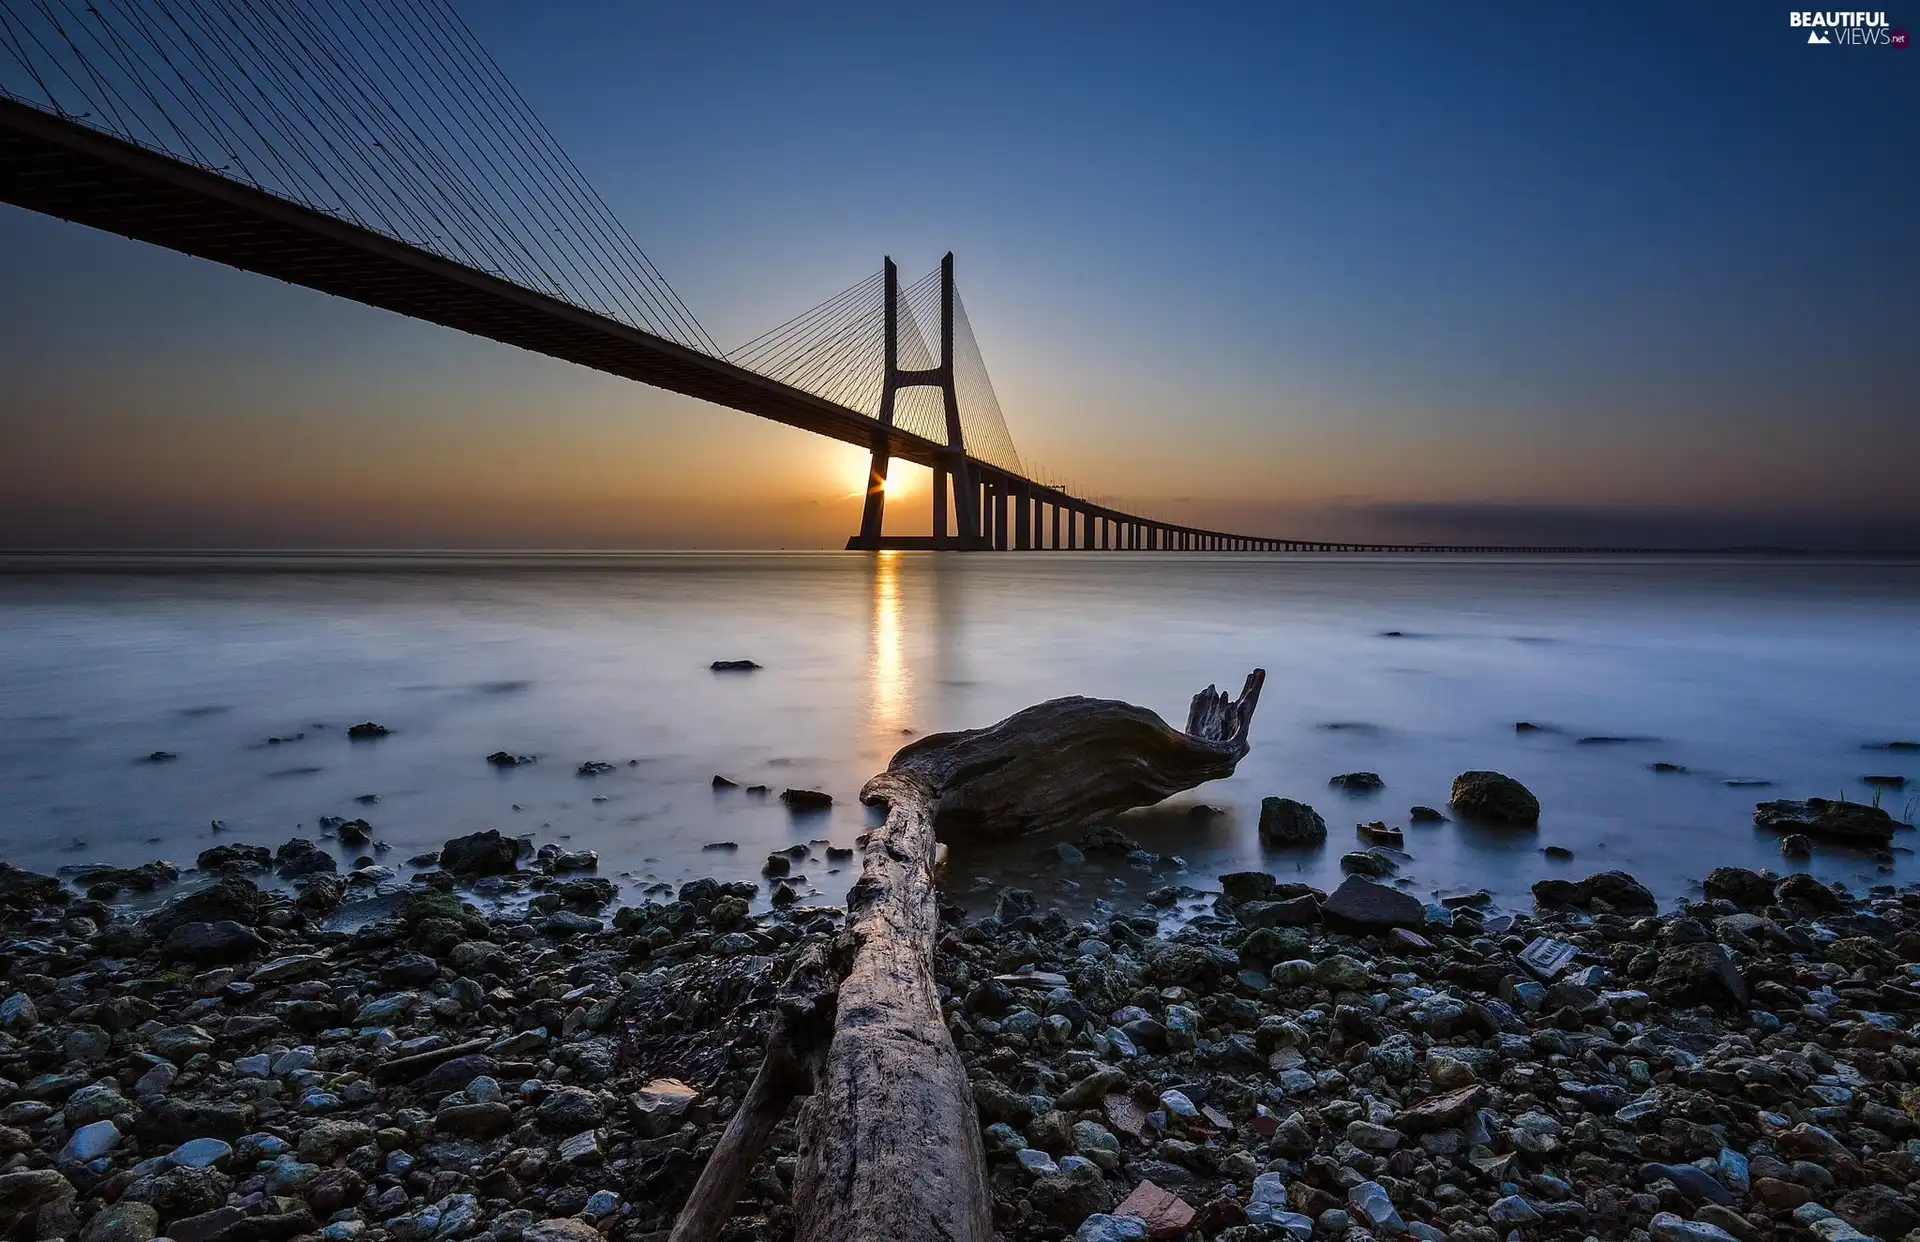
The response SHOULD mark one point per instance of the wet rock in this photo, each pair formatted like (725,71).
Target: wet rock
(1609,890)
(1495,798)
(1747,889)
(299,857)
(1426,815)
(27,890)
(1796,846)
(507,759)
(1368,863)
(1363,906)
(367,731)
(235,858)
(228,899)
(480,853)
(1851,823)
(209,943)
(806,800)
(1699,974)
(18,1014)
(1358,782)
(1286,824)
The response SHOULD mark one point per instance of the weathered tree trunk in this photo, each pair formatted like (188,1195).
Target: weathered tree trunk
(889,1140)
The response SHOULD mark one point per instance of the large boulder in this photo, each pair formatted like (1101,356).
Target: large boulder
(480,853)
(1495,799)
(235,858)
(1285,823)
(1851,823)
(1362,906)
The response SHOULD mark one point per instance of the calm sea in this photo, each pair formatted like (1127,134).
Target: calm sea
(1778,670)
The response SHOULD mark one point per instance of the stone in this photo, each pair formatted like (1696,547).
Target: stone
(1695,1183)
(1101,1227)
(288,969)
(480,853)
(582,1148)
(1358,782)
(475,1120)
(1747,889)
(18,1013)
(1362,906)
(321,1142)
(1666,1227)
(1286,824)
(1369,863)
(1697,974)
(658,1107)
(1369,1200)
(561,1229)
(201,1153)
(28,890)
(24,1192)
(206,943)
(125,1221)
(1494,798)
(235,858)
(1545,957)
(1165,1214)
(1852,823)
(1512,1210)
(91,1141)
(1073,1195)
(806,800)
(1440,1112)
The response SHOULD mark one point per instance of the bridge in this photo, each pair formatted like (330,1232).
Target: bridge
(373,150)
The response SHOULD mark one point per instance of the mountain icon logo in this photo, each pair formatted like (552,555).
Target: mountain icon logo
(1816,37)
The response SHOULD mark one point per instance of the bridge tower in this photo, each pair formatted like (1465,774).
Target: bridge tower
(956,473)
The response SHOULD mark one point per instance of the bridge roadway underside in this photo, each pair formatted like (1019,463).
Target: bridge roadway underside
(68,170)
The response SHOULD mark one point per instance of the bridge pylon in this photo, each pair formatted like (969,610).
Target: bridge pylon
(955,472)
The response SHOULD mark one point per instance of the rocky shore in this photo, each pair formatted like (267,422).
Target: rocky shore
(1293,1064)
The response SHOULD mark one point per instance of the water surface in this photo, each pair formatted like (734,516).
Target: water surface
(1784,671)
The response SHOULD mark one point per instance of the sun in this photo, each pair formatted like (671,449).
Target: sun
(899,478)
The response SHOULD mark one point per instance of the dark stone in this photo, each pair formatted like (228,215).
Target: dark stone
(1801,889)
(1853,823)
(225,941)
(1879,1211)
(235,858)
(1426,815)
(454,1075)
(1495,799)
(1106,839)
(1241,886)
(733,666)
(354,832)
(27,890)
(162,756)
(507,759)
(111,881)
(1747,889)
(206,1227)
(301,857)
(1196,966)
(806,800)
(569,1111)
(1358,782)
(335,1189)
(1363,906)
(479,853)
(1614,890)
(1285,823)
(166,1120)
(366,730)
(1696,974)
(1696,1184)
(721,782)
(410,970)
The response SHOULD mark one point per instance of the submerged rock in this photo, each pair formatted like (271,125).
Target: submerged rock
(1361,905)
(480,853)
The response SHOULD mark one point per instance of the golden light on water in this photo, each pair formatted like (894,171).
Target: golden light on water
(888,681)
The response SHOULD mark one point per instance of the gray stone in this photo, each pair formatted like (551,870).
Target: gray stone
(90,1142)
(201,1153)
(1285,823)
(125,1221)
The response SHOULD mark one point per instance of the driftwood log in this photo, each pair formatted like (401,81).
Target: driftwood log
(889,1139)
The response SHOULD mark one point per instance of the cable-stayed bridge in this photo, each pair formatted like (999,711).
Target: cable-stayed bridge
(373,150)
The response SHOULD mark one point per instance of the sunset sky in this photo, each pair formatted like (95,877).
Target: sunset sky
(1567,273)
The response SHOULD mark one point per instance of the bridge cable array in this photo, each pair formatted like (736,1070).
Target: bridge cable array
(391,117)
(837,351)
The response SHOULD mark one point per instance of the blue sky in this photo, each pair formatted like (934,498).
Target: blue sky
(1325,269)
